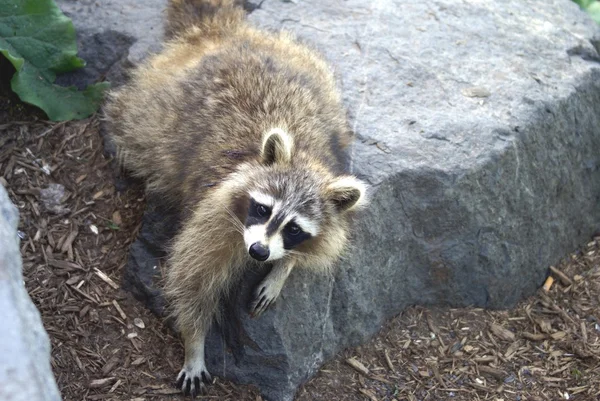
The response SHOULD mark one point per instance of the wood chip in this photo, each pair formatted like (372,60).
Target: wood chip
(114,387)
(389,361)
(63,264)
(80,178)
(73,280)
(485,359)
(496,373)
(84,311)
(564,314)
(66,246)
(534,337)
(380,379)
(545,325)
(110,365)
(106,279)
(100,382)
(80,292)
(436,373)
(511,350)
(561,276)
(502,333)
(138,361)
(368,393)
(118,308)
(166,391)
(359,367)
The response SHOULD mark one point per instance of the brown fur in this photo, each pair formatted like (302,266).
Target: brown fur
(191,123)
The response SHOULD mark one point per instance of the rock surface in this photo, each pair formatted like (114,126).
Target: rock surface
(478,126)
(25,372)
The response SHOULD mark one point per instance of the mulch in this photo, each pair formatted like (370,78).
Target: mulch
(107,346)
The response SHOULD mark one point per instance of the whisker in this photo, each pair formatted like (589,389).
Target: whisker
(235,220)
(299,253)
(235,226)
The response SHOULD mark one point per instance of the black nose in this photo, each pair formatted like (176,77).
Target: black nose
(259,252)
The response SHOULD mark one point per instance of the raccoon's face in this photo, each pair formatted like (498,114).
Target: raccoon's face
(275,226)
(290,203)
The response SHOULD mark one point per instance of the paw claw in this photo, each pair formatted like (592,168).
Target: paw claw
(193,382)
(188,386)
(264,296)
(206,377)
(180,379)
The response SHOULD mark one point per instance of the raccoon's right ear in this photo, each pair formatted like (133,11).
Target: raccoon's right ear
(277,147)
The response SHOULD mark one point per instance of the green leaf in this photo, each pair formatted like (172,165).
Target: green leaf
(39,41)
(594,11)
(584,3)
(112,225)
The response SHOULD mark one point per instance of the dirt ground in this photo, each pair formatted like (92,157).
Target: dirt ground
(106,346)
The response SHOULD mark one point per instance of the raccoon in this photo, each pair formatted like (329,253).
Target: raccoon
(245,132)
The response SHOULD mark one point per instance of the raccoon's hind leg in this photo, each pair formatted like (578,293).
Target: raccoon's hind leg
(194,376)
(268,290)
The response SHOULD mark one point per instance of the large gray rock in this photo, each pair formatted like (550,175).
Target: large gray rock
(479,131)
(25,372)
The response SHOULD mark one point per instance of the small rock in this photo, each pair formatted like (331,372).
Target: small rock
(52,199)
(25,346)
(139,323)
(116,218)
(46,169)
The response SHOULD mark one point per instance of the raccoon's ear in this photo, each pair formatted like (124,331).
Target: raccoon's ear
(347,193)
(277,147)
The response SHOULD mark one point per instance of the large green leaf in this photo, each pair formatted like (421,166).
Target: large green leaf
(594,11)
(39,41)
(584,3)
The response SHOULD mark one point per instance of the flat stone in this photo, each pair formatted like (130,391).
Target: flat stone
(478,130)
(25,372)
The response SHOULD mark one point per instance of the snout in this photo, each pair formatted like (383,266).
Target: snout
(259,252)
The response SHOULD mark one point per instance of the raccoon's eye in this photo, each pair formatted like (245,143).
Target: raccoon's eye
(293,229)
(262,210)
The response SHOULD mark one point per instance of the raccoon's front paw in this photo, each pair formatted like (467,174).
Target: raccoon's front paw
(192,381)
(264,295)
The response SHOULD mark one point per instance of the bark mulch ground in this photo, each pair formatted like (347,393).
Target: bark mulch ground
(106,346)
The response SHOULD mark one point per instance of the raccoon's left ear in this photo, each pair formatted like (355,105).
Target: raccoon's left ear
(277,147)
(347,193)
